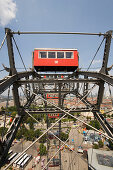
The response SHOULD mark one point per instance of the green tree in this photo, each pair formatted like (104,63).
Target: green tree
(43,139)
(110,144)
(2,129)
(19,134)
(95,146)
(43,150)
(104,115)
(2,108)
(31,125)
(94,123)
(12,109)
(100,144)
(63,136)
(30,135)
(37,133)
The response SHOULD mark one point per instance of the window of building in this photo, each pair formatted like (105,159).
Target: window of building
(69,54)
(60,54)
(51,54)
(43,55)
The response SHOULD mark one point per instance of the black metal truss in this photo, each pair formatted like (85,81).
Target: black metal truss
(104,77)
(5,83)
(11,133)
(104,124)
(59,81)
(15,79)
(58,111)
(84,100)
(10,136)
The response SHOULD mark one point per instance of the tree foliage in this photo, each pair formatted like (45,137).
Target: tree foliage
(43,150)
(63,136)
(100,144)
(94,123)
(2,129)
(28,134)
(43,139)
(37,133)
(95,146)
(110,144)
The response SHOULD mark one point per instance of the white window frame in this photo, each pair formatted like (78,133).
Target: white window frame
(56,54)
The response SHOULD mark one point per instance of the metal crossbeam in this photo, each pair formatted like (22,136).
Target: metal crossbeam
(38,82)
(74,33)
(106,78)
(59,81)
(58,111)
(5,83)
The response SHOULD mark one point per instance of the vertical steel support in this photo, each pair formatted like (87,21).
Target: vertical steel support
(10,51)
(106,52)
(85,90)
(104,67)
(27,92)
(12,67)
(47,132)
(18,119)
(85,87)
(60,105)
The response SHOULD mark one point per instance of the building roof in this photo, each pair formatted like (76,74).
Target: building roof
(100,159)
(64,49)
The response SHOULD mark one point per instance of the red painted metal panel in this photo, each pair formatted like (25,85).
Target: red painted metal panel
(55,61)
(52,115)
(52,96)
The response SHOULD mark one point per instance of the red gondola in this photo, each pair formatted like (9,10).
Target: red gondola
(55,59)
(53,115)
(52,96)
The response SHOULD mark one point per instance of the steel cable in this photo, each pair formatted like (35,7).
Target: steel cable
(3,41)
(64,143)
(47,129)
(19,54)
(70,110)
(94,58)
(7,103)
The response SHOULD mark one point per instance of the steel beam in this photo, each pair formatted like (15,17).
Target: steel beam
(104,124)
(13,70)
(74,33)
(59,81)
(10,51)
(60,106)
(10,135)
(106,52)
(9,139)
(14,79)
(11,79)
(58,111)
(106,78)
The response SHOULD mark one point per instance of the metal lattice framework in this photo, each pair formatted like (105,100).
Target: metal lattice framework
(79,83)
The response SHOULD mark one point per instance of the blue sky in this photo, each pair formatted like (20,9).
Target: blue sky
(56,15)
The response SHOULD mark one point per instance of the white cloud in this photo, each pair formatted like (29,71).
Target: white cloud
(7,11)
(96,62)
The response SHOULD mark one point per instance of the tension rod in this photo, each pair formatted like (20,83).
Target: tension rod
(79,33)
